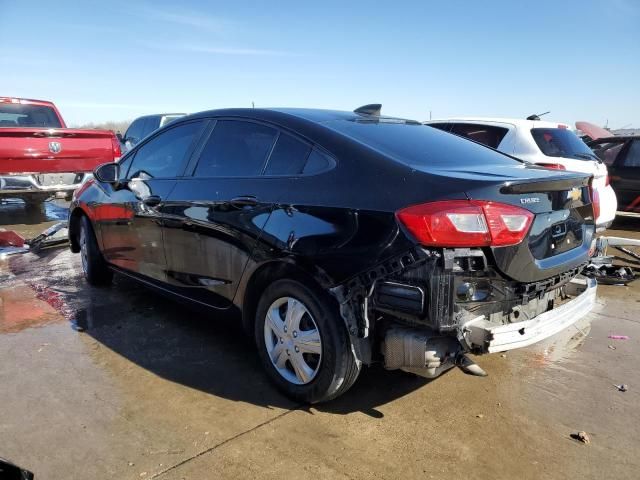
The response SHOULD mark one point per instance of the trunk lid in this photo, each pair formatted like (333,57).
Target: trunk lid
(563,228)
(38,150)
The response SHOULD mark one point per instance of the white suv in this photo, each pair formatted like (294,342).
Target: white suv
(549,144)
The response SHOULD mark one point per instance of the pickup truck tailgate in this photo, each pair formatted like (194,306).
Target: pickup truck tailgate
(36,150)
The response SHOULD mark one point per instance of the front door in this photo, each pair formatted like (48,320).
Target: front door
(131,222)
(214,220)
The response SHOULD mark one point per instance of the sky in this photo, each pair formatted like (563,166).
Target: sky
(116,60)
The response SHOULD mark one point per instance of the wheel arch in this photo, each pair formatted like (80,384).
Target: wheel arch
(259,278)
(74,227)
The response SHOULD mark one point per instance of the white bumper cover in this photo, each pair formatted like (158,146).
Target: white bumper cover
(492,337)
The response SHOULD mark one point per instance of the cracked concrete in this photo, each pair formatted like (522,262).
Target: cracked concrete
(122,383)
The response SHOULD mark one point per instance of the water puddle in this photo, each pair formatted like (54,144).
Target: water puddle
(21,308)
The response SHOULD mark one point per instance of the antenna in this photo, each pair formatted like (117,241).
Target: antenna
(253,105)
(371,109)
(536,116)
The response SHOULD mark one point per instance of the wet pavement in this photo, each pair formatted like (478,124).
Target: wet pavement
(119,382)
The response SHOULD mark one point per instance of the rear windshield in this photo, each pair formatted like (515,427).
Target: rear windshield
(561,142)
(14,115)
(415,144)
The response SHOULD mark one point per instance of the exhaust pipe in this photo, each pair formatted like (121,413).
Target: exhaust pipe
(420,352)
(417,351)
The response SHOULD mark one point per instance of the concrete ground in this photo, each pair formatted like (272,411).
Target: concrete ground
(122,383)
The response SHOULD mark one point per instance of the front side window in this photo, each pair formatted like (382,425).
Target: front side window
(164,155)
(633,155)
(236,149)
(561,142)
(16,115)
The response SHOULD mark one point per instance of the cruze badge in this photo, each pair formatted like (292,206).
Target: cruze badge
(526,201)
(55,147)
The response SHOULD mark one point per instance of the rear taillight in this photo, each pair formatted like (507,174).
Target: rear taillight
(595,202)
(466,223)
(552,166)
(115,146)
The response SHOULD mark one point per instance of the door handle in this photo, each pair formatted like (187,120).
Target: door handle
(244,201)
(152,200)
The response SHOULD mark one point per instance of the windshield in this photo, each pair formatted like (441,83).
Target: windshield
(560,142)
(13,115)
(418,145)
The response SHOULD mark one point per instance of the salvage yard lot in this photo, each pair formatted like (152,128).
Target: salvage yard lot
(122,383)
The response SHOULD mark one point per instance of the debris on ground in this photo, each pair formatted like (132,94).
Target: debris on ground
(480,415)
(610,274)
(619,337)
(581,437)
(11,243)
(53,236)
(9,238)
(622,387)
(602,267)
(611,347)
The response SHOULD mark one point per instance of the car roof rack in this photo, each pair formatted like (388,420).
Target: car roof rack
(371,109)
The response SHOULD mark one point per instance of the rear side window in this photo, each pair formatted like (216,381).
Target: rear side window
(317,162)
(488,135)
(633,155)
(14,115)
(164,155)
(561,142)
(288,157)
(236,149)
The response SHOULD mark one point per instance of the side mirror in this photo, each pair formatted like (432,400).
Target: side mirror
(119,137)
(107,173)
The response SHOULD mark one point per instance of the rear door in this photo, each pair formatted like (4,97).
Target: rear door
(130,222)
(215,218)
(625,174)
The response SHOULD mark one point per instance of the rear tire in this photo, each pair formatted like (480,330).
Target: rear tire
(94,267)
(303,342)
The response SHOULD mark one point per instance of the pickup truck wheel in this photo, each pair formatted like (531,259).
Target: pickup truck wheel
(303,342)
(94,267)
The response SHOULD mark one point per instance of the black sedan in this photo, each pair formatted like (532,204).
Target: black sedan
(343,239)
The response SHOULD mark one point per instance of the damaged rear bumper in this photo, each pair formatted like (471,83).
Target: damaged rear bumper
(484,336)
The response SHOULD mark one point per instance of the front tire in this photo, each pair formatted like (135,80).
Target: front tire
(303,342)
(94,267)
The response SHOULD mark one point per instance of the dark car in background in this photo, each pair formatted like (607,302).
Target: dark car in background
(621,154)
(343,239)
(143,126)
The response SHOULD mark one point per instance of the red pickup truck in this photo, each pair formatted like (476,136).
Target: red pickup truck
(40,157)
